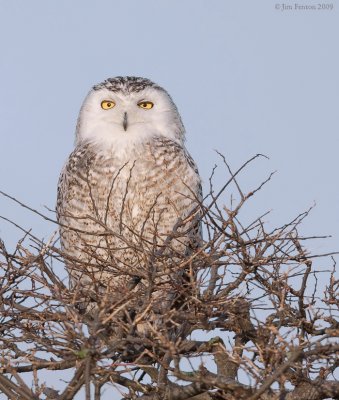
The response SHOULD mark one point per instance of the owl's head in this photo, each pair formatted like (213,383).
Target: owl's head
(128,110)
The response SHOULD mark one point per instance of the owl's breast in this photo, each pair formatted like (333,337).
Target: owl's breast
(143,194)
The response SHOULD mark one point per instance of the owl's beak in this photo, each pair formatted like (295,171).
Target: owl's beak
(125,123)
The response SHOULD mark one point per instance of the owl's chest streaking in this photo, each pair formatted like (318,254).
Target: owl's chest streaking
(140,193)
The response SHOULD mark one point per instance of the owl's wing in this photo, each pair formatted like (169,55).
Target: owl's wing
(72,171)
(196,189)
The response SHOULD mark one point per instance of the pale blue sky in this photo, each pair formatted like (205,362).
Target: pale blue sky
(246,77)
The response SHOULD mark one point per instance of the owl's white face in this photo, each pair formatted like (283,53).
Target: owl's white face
(125,117)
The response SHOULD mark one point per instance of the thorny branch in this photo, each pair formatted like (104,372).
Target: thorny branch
(252,288)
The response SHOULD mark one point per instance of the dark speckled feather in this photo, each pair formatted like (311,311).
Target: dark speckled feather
(138,199)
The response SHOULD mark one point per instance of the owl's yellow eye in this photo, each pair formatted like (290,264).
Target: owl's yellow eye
(107,104)
(146,105)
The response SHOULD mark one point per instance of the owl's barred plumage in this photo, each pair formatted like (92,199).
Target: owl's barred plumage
(129,191)
(127,84)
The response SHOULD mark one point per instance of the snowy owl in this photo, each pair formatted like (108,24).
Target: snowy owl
(129,193)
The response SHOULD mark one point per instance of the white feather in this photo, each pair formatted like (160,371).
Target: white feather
(104,128)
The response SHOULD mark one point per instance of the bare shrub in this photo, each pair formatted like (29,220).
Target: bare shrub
(249,289)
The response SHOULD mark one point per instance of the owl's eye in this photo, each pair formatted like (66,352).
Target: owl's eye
(107,104)
(146,105)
